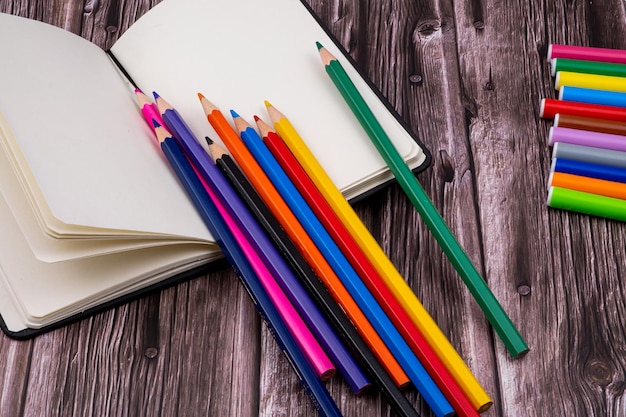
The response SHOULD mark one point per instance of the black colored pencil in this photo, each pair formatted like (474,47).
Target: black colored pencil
(218,227)
(336,317)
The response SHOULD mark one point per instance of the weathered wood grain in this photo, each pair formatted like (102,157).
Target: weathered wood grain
(504,71)
(467,78)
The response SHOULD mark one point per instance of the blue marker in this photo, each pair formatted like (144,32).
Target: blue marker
(591,170)
(591,96)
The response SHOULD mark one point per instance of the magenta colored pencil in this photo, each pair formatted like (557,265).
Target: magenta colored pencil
(302,334)
(587,138)
(149,109)
(587,53)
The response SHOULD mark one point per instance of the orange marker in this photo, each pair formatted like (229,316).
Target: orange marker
(588,185)
(305,245)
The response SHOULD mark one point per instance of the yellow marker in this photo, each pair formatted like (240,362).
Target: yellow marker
(592,81)
(401,290)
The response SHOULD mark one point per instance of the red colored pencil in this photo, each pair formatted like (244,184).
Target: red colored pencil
(366,271)
(551,107)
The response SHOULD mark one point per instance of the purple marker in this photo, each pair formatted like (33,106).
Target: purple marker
(586,138)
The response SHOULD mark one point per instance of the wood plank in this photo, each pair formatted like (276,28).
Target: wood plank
(548,267)
(408,50)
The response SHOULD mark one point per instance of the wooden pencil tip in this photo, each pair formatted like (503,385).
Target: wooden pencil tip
(156,96)
(319,45)
(200,96)
(256,118)
(155,123)
(137,90)
(208,140)
(234,114)
(267,103)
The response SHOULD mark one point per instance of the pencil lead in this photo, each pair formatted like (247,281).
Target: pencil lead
(200,96)
(256,118)
(155,123)
(156,96)
(319,45)
(138,90)
(209,141)
(264,128)
(267,104)
(234,114)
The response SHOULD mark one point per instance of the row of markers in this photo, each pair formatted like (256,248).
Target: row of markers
(588,136)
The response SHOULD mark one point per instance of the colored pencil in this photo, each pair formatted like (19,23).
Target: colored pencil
(303,241)
(587,67)
(588,185)
(587,53)
(592,96)
(587,169)
(366,271)
(212,175)
(148,109)
(586,203)
(589,154)
(586,138)
(407,359)
(597,82)
(315,287)
(414,191)
(293,288)
(386,270)
(550,107)
(590,123)
(223,229)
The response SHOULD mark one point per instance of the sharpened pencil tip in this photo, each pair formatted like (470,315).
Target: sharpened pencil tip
(200,96)
(155,123)
(267,103)
(156,96)
(256,118)
(319,45)
(138,90)
(234,114)
(209,141)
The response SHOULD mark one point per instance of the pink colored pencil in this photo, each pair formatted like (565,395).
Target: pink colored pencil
(587,53)
(149,109)
(301,333)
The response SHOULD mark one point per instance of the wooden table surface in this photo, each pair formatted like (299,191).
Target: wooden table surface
(467,76)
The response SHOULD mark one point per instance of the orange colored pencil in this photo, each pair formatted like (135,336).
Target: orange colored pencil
(588,185)
(303,242)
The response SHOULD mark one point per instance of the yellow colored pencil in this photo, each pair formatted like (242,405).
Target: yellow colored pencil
(401,290)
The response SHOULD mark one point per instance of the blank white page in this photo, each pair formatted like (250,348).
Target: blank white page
(76,123)
(239,53)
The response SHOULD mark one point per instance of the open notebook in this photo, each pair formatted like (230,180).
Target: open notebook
(90,212)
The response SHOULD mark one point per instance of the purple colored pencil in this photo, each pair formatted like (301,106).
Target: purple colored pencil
(586,138)
(298,297)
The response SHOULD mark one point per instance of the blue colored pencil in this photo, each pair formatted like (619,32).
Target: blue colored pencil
(592,96)
(396,344)
(320,397)
(261,243)
(588,169)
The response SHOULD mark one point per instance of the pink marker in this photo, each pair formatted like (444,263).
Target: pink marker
(587,53)
(301,333)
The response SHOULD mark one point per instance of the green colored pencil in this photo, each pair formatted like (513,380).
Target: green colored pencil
(587,67)
(412,188)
